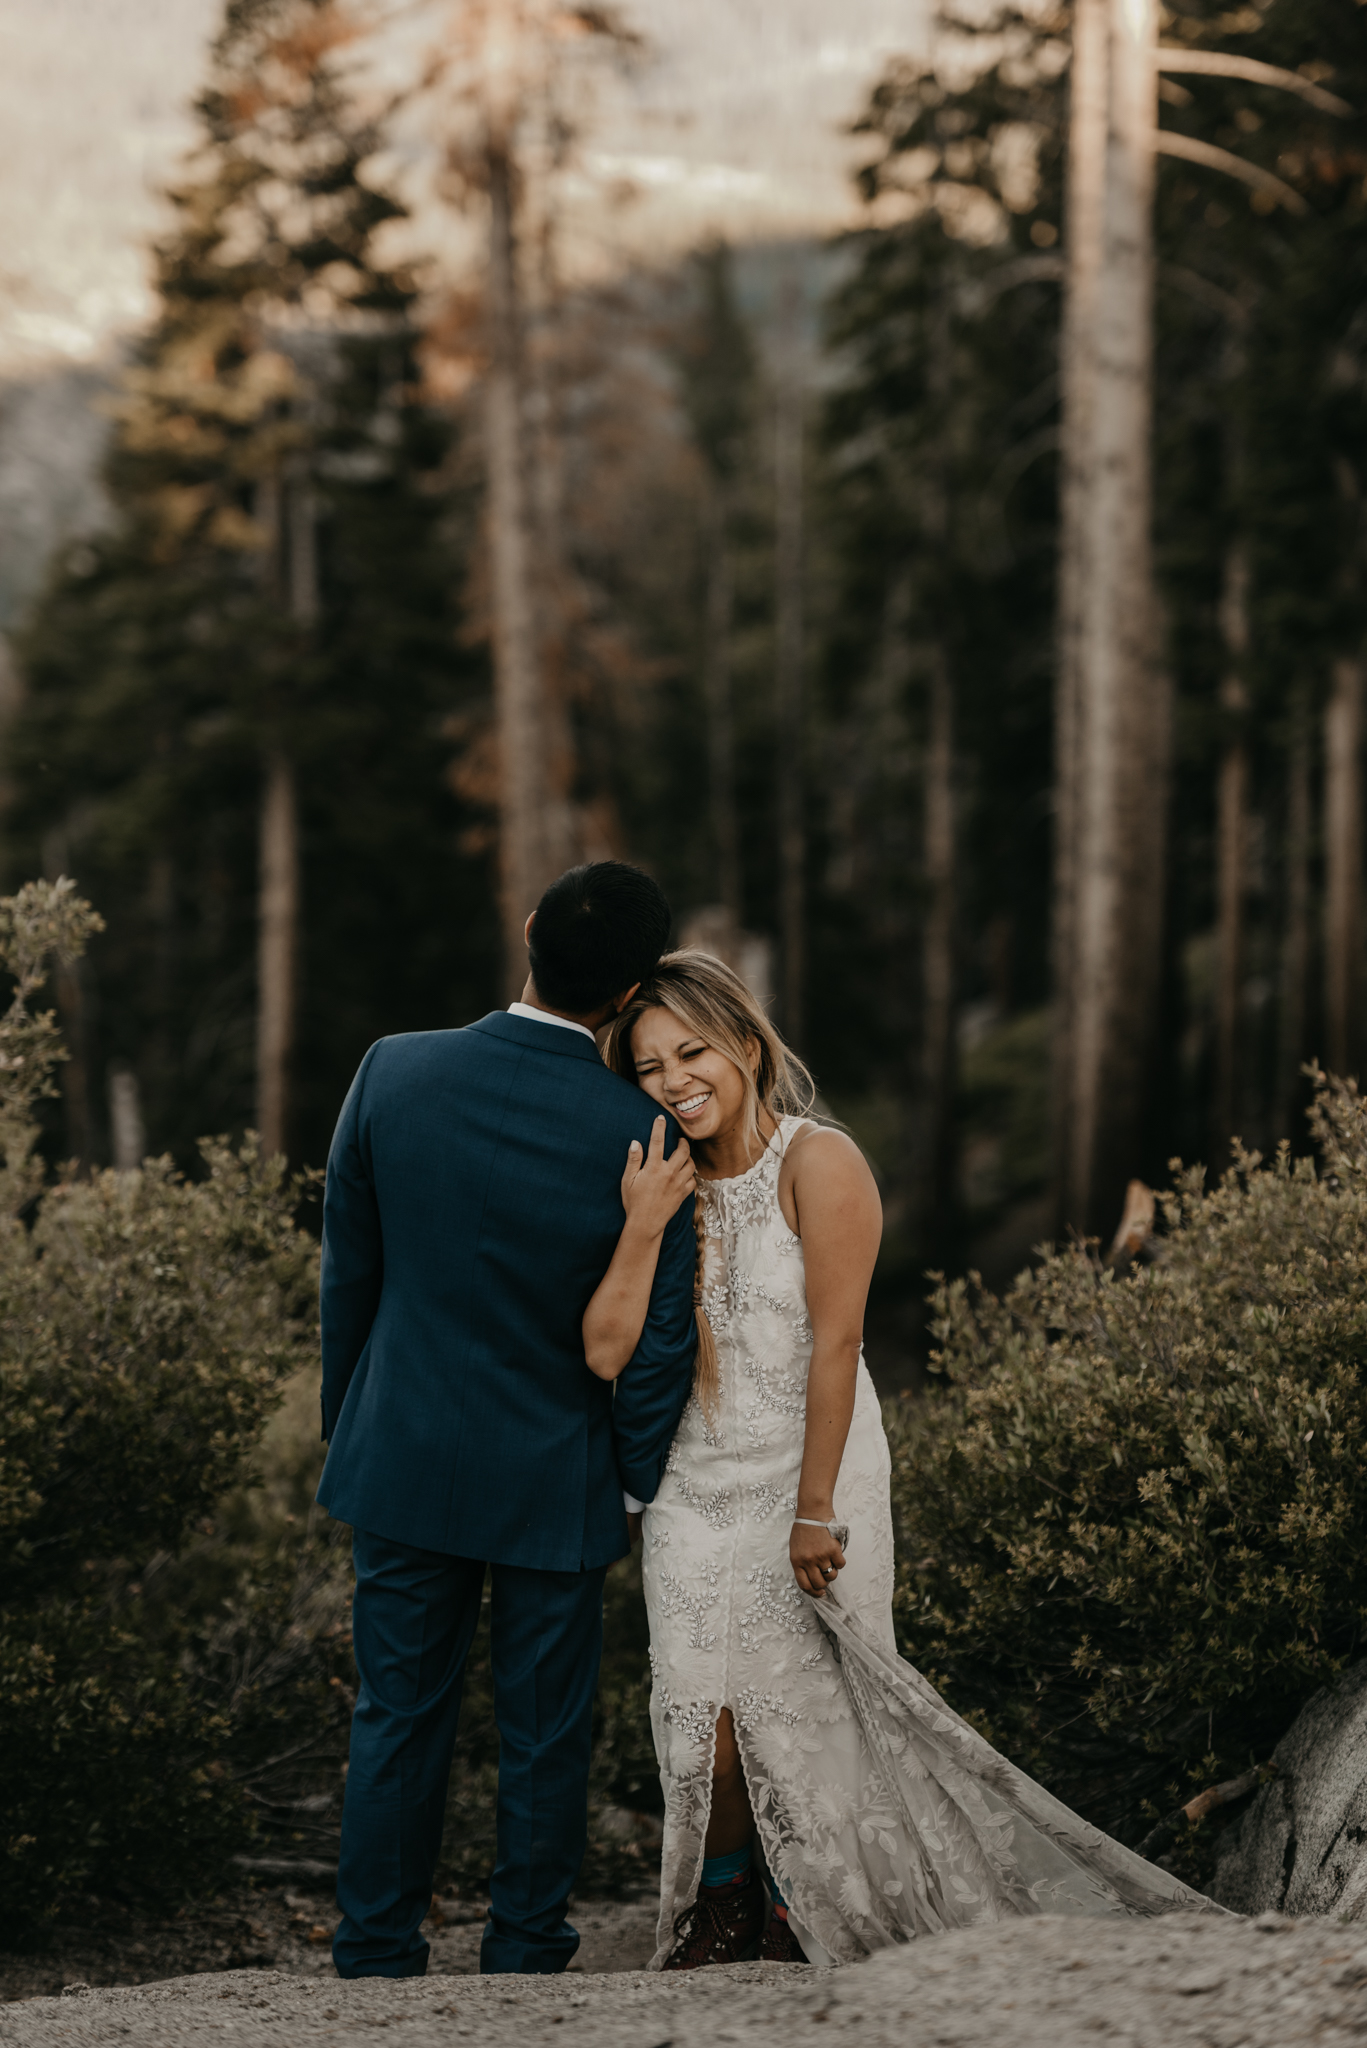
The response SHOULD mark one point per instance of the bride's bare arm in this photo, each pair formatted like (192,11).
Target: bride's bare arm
(840,1221)
(653,1189)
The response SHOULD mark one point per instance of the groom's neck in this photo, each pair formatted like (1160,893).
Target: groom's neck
(592,1020)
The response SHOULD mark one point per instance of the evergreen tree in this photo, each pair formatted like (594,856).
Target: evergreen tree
(275,596)
(1259,440)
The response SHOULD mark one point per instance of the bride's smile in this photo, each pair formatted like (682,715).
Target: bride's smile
(694,1106)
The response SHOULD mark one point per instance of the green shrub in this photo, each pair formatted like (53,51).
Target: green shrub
(1132,1520)
(147,1324)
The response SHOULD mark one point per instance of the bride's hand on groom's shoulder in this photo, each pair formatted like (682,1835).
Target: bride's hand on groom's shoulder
(815,1556)
(654,1187)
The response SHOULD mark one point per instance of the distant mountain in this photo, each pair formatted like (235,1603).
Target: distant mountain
(53,429)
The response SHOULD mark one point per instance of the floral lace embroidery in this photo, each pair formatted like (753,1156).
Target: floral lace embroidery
(675,1599)
(751,1705)
(779,1603)
(715,1511)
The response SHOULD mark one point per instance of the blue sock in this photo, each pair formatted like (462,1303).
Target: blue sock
(720,1871)
(780,1904)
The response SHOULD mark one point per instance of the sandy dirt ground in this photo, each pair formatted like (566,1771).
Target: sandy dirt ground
(1179,1982)
(290,1932)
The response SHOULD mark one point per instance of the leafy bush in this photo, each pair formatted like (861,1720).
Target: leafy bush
(147,1325)
(1133,1517)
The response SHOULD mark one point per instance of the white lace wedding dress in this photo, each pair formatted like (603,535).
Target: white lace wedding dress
(881,1814)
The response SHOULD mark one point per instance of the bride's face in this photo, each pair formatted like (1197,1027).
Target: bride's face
(695,1084)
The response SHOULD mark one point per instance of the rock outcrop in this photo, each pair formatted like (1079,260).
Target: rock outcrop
(1302,1845)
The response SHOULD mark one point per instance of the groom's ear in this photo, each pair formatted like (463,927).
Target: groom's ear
(619,1003)
(527,927)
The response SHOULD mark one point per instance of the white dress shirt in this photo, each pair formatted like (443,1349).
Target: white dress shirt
(629,1502)
(547,1017)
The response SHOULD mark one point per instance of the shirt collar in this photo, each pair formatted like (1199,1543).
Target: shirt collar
(548,1017)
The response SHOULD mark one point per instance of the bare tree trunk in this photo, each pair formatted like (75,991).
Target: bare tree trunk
(1295,962)
(127,1134)
(277,935)
(278,883)
(788,483)
(937,953)
(1343,866)
(526,859)
(1085,198)
(1231,833)
(721,737)
(558,599)
(1112,713)
(70,991)
(935,1169)
(158,1061)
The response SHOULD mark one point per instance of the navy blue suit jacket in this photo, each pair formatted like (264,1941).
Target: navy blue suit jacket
(473,1204)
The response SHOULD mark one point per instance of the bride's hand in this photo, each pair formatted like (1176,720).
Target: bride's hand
(815,1556)
(654,1187)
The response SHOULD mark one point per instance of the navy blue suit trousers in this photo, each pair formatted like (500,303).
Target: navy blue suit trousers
(414,1619)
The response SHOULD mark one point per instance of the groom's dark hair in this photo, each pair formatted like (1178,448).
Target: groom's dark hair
(597,930)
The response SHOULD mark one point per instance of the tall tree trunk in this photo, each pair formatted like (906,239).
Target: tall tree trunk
(1231,832)
(557,596)
(292,523)
(524,858)
(69,987)
(1343,866)
(127,1133)
(788,486)
(937,958)
(1112,724)
(935,1168)
(277,939)
(721,737)
(1295,961)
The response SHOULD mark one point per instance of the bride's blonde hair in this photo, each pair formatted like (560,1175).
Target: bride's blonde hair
(711,999)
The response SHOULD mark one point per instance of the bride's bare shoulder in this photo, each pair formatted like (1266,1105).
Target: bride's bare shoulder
(818,1153)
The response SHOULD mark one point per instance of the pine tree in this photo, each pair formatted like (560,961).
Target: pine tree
(236,695)
(1259,283)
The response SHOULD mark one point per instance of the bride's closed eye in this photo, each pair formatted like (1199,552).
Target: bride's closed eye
(649,1066)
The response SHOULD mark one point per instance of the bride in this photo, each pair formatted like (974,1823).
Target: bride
(821,1800)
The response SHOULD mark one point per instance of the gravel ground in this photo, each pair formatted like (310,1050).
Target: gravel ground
(1180,1982)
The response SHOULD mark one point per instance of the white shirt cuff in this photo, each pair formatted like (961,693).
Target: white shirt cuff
(631,1504)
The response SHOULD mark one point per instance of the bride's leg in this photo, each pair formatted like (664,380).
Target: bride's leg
(726,1921)
(732,1824)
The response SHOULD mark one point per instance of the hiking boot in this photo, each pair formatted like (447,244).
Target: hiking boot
(780,1944)
(719,1927)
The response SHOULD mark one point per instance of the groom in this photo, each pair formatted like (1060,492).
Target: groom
(473,1205)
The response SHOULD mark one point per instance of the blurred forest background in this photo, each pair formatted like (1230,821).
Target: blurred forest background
(963,618)
(743,565)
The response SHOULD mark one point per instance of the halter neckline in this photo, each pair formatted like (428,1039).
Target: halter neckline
(733,1180)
